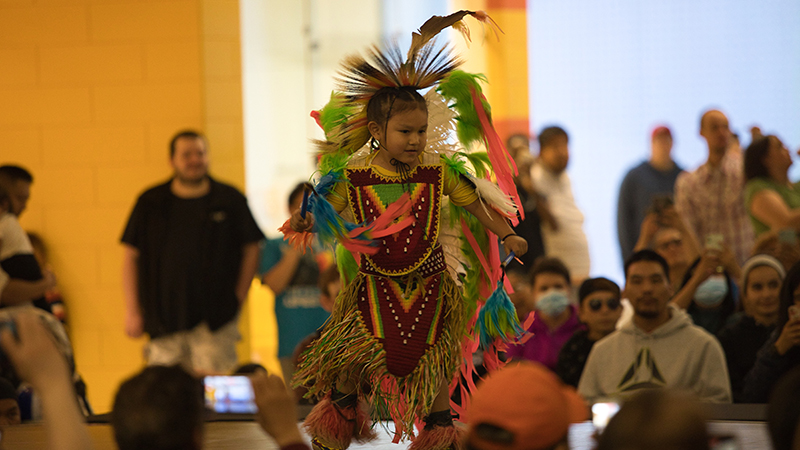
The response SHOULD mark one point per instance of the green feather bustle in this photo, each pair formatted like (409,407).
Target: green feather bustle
(457,89)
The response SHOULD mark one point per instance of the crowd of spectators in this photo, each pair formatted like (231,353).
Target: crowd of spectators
(709,310)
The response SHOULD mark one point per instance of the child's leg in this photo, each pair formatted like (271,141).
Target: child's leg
(439,432)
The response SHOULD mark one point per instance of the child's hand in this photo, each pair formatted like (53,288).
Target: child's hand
(299,224)
(515,244)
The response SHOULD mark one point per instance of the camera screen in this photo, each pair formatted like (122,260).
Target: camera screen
(230,394)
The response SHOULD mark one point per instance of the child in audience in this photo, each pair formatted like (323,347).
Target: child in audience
(599,310)
(329,287)
(741,339)
(556,317)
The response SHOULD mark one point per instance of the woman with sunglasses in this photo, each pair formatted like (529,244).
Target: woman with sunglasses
(600,309)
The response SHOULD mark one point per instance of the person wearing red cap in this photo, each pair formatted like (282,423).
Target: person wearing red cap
(535,415)
(642,186)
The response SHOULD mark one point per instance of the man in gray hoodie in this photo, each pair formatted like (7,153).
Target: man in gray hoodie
(658,347)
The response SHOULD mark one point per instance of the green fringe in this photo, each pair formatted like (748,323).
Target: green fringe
(347,350)
(348,268)
(457,88)
(335,113)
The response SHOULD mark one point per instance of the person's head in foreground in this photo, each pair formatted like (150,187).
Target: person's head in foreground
(657,419)
(161,408)
(522,407)
(600,306)
(783,412)
(9,407)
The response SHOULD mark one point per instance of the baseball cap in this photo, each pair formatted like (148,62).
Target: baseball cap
(661,129)
(526,407)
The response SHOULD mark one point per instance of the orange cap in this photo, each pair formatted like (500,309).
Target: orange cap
(529,402)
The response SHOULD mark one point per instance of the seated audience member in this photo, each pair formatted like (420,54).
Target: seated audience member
(658,347)
(566,241)
(772,201)
(741,339)
(522,407)
(783,412)
(708,292)
(665,232)
(37,361)
(656,420)
(781,352)
(23,281)
(643,187)
(161,408)
(52,301)
(9,407)
(599,311)
(555,318)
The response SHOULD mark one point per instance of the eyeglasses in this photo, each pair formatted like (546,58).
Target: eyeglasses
(595,304)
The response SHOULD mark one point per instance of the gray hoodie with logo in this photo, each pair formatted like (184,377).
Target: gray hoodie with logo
(678,355)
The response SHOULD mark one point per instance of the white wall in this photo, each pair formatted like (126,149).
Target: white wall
(609,71)
(290,53)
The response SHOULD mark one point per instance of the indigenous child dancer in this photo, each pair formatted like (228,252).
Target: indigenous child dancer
(396,335)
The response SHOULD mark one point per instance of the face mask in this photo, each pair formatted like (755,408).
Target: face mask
(553,302)
(711,292)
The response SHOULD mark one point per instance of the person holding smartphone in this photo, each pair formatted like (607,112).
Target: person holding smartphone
(781,352)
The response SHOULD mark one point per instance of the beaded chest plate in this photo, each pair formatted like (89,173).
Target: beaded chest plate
(369,195)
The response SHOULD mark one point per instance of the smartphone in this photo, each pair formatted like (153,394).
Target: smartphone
(794,312)
(230,394)
(714,241)
(602,412)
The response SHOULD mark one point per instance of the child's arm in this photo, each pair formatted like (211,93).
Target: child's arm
(498,225)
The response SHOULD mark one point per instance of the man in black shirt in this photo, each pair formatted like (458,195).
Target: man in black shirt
(190,253)
(600,309)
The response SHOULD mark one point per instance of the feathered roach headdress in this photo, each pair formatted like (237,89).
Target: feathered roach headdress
(344,119)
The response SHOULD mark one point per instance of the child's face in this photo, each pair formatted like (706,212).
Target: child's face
(404,137)
(547,281)
(555,156)
(600,311)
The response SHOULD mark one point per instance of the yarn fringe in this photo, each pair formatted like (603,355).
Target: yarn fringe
(346,347)
(337,427)
(439,438)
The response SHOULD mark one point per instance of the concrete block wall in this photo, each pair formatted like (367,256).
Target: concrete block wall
(90,93)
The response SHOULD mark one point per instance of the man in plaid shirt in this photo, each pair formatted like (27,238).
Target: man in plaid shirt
(711,198)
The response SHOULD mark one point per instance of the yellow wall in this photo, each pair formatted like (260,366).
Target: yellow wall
(504,61)
(90,93)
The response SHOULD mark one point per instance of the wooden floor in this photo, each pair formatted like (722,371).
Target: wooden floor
(248,436)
